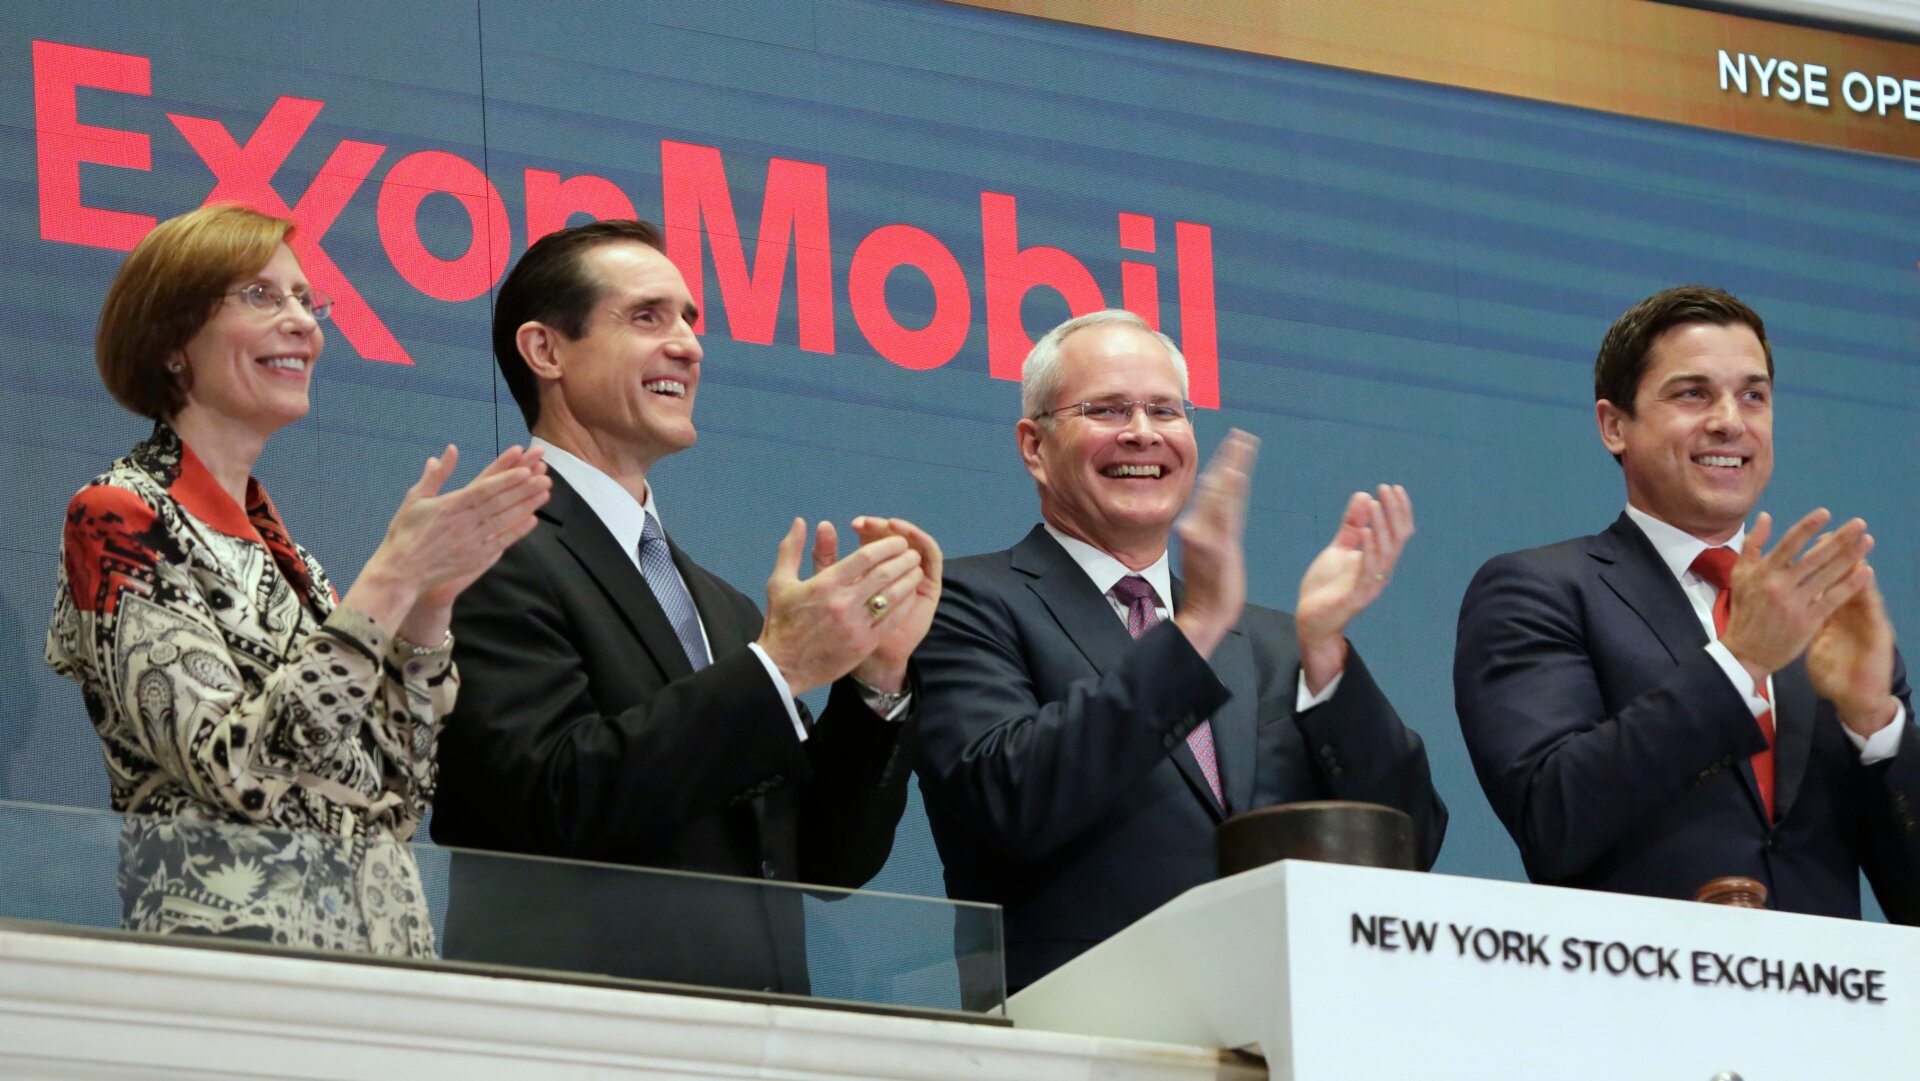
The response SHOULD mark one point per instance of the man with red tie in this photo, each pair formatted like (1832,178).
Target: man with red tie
(1088,718)
(1669,701)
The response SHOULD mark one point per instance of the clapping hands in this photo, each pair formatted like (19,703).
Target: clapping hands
(886,667)
(1213,552)
(438,544)
(1348,575)
(863,614)
(1820,599)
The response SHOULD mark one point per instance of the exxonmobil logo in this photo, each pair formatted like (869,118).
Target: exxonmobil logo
(698,218)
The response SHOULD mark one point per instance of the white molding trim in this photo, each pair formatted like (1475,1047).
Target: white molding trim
(86,1009)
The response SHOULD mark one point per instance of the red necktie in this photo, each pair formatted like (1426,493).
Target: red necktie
(1137,594)
(1715,566)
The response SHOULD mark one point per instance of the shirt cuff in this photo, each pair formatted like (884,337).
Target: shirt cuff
(419,661)
(358,629)
(1882,744)
(1737,675)
(780,686)
(1302,701)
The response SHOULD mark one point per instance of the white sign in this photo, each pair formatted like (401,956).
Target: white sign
(1349,972)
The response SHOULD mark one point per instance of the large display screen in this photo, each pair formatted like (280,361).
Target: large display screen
(878,204)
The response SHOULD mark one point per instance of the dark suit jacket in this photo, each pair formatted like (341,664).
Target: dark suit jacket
(1616,750)
(1054,759)
(582,731)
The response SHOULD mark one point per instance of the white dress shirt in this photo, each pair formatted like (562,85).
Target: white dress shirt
(1106,571)
(1678,549)
(626,518)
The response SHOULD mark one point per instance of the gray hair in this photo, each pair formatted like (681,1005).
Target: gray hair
(1040,375)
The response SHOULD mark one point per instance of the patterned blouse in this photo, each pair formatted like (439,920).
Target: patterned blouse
(273,751)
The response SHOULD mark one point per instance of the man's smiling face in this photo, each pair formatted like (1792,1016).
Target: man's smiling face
(1115,485)
(1698,448)
(632,374)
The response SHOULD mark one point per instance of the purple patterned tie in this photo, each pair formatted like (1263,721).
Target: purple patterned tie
(1134,592)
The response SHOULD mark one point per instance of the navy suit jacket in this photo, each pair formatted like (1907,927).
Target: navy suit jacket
(1053,750)
(1616,750)
(582,731)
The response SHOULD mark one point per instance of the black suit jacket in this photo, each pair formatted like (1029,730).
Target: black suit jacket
(1616,750)
(582,731)
(1054,761)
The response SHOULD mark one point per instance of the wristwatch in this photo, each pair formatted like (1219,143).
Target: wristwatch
(879,701)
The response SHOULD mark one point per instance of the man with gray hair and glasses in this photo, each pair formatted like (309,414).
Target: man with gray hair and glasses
(1088,719)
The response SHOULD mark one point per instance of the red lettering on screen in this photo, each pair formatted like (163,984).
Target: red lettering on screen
(1012,272)
(62,143)
(551,201)
(693,191)
(244,174)
(698,215)
(879,255)
(408,184)
(1139,282)
(1199,340)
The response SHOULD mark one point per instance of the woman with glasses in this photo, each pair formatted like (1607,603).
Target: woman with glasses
(271,744)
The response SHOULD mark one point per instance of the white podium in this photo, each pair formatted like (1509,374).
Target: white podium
(1346,972)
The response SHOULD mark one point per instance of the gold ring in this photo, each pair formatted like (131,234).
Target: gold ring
(878,605)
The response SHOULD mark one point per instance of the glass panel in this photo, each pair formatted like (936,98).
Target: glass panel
(216,882)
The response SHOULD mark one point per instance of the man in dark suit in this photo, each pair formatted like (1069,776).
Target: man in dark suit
(1646,709)
(1089,719)
(620,704)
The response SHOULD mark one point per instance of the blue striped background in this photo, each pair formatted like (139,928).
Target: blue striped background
(1412,281)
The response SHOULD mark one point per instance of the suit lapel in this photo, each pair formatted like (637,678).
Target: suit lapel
(1082,611)
(1235,724)
(1235,727)
(582,534)
(1794,705)
(1088,619)
(1643,582)
(1636,574)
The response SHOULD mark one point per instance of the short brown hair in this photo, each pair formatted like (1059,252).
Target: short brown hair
(1622,362)
(167,290)
(551,285)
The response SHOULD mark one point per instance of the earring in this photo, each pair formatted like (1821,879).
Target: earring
(176,367)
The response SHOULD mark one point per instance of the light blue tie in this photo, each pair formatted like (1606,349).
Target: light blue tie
(656,563)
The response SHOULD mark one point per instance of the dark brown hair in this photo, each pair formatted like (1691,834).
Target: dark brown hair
(551,284)
(1623,358)
(167,290)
